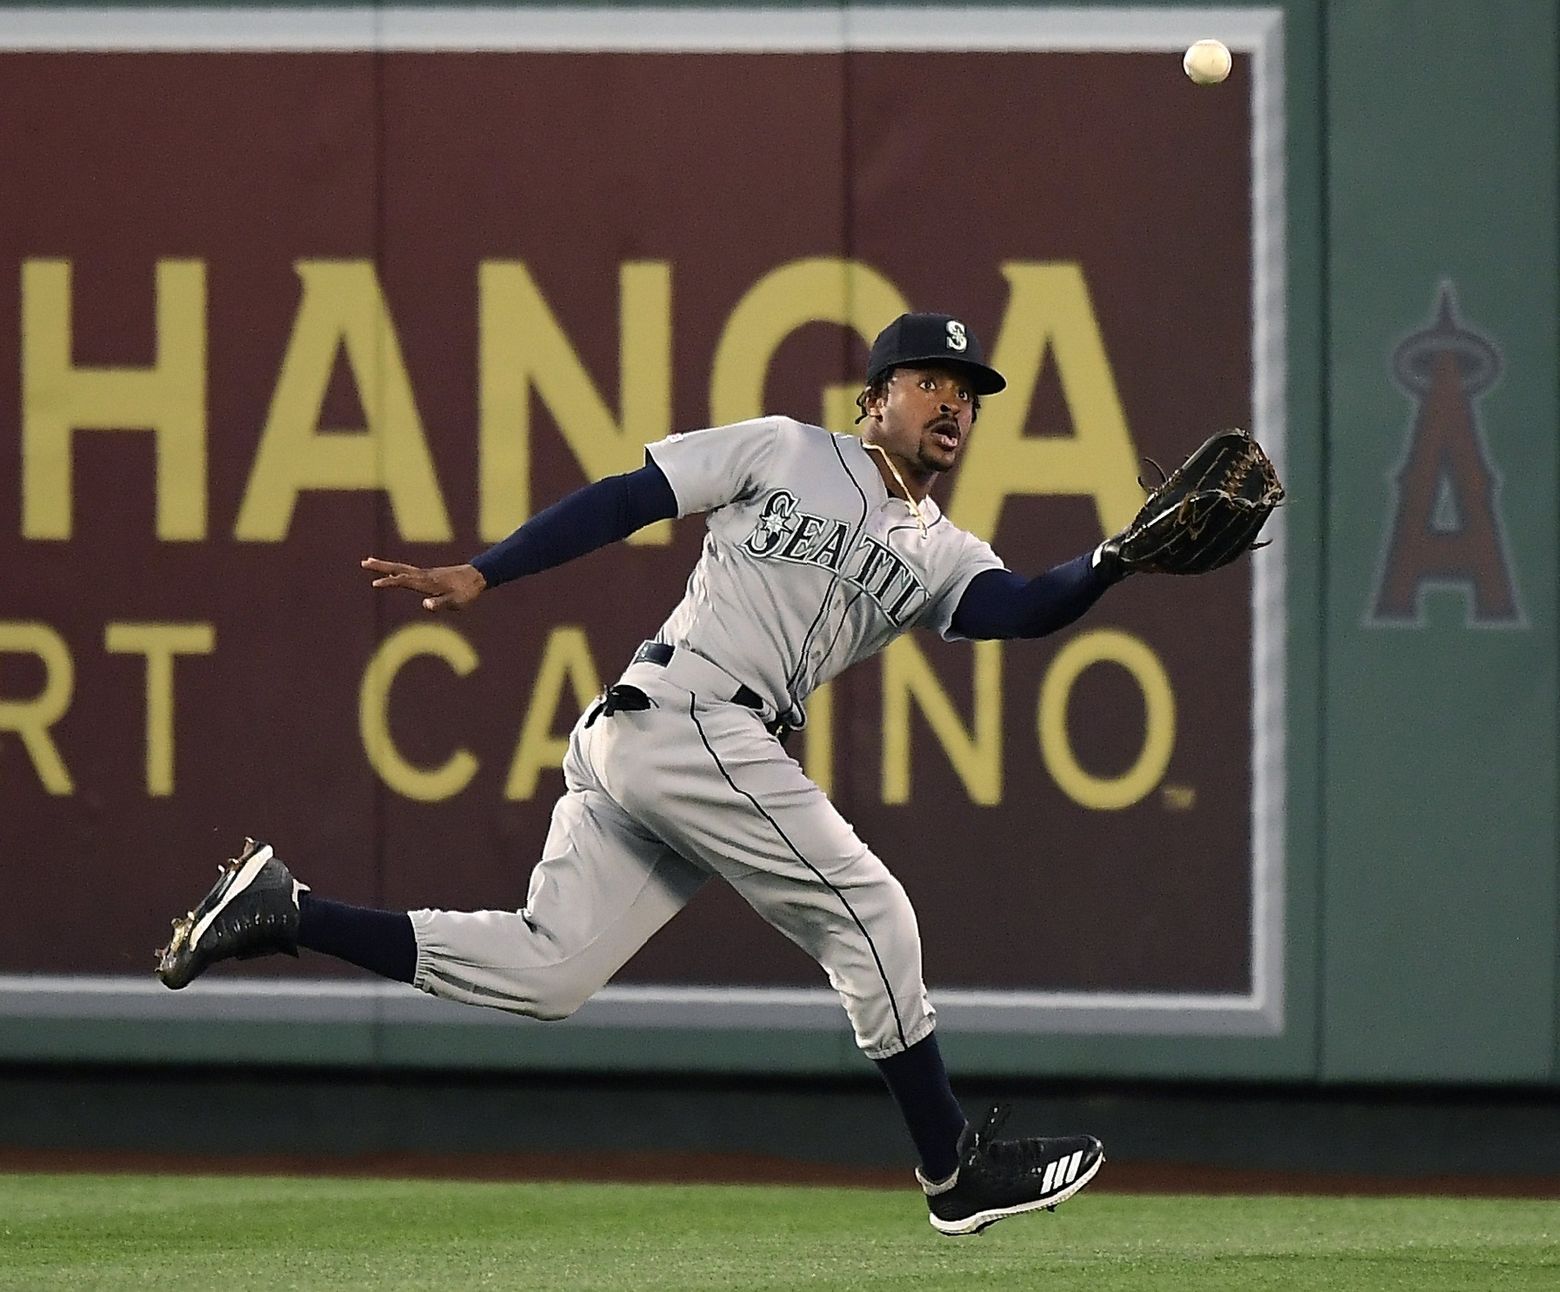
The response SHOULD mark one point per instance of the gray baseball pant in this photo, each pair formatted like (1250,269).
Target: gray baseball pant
(656,801)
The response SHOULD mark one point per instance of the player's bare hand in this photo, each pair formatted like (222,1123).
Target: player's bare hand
(443,587)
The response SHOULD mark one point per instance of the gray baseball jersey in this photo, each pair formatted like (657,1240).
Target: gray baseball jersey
(809,564)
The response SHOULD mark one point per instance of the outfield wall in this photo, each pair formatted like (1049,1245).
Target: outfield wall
(392,280)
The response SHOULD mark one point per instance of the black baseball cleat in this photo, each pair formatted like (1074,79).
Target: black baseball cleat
(1003,1177)
(252,911)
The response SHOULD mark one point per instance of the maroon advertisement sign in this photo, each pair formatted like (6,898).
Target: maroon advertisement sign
(267,313)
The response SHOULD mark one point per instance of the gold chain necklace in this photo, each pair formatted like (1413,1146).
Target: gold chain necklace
(900,481)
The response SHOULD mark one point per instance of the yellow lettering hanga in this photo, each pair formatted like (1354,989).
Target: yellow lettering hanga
(343,309)
(524,350)
(1049,310)
(822,289)
(168,399)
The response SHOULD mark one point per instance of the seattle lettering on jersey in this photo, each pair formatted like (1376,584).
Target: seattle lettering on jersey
(785,533)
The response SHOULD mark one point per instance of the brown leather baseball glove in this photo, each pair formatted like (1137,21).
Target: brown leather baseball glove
(1205,514)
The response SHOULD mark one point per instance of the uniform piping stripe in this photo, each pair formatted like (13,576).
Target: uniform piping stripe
(795,852)
(834,581)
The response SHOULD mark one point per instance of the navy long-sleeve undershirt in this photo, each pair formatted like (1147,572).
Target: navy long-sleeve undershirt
(592,517)
(1000,604)
(997,603)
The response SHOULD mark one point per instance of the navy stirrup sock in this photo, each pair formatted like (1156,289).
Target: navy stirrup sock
(379,941)
(919,1083)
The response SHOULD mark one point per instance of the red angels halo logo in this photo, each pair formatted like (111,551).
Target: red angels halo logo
(1446,529)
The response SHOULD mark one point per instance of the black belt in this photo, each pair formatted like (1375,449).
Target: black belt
(660,653)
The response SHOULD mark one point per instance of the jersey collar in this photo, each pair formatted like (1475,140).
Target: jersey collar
(929,508)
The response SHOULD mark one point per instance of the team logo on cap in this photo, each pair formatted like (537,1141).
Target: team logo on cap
(958,338)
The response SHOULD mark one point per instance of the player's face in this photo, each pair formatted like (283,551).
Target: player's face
(924,417)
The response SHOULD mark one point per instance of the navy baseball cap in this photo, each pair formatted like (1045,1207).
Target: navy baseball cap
(932,338)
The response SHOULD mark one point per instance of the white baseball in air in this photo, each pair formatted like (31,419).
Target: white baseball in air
(1207,62)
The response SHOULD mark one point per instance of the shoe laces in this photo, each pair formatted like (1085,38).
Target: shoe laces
(1007,1156)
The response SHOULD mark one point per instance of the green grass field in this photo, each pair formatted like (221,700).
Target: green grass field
(271,1234)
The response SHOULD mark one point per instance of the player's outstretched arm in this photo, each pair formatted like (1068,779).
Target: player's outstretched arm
(1000,604)
(588,518)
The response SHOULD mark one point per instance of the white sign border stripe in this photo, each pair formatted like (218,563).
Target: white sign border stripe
(118,998)
(633,30)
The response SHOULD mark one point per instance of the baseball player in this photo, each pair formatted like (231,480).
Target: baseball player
(821,549)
